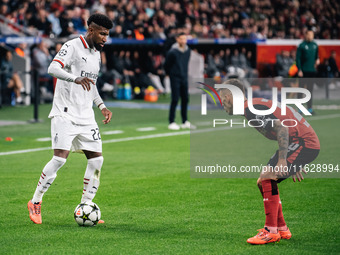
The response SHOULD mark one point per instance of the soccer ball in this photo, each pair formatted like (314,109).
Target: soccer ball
(87,214)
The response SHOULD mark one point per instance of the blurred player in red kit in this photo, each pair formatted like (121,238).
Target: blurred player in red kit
(298,146)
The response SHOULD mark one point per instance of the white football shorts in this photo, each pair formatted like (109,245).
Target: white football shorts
(67,135)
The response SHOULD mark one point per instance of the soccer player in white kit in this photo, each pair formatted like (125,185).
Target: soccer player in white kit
(76,67)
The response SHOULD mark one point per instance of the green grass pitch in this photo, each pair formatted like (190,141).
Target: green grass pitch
(148,200)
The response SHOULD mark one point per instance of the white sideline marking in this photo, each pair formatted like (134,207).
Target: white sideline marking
(44,139)
(331,116)
(113,132)
(24,151)
(327,107)
(126,139)
(146,129)
(106,141)
(143,137)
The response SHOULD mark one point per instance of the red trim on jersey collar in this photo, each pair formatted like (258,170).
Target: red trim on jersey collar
(62,64)
(84,42)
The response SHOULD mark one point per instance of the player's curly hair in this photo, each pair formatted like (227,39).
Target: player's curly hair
(101,20)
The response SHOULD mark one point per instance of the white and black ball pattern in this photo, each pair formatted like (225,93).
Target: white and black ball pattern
(87,214)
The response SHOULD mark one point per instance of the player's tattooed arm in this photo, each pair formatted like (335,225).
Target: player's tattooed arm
(282,139)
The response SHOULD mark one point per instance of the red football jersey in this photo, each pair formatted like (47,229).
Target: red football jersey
(302,133)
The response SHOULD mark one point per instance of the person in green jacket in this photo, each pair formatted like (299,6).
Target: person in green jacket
(307,59)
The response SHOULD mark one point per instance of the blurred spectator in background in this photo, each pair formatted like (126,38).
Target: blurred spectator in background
(106,79)
(127,65)
(250,62)
(324,69)
(329,69)
(4,10)
(20,18)
(227,57)
(79,19)
(141,69)
(66,23)
(293,54)
(119,62)
(40,22)
(41,56)
(57,49)
(41,60)
(239,59)
(53,17)
(251,66)
(334,70)
(10,81)
(283,63)
(154,73)
(117,32)
(219,62)
(246,60)
(98,6)
(123,67)
(139,33)
(211,67)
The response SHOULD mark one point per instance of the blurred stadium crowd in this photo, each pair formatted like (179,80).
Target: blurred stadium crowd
(202,19)
(160,20)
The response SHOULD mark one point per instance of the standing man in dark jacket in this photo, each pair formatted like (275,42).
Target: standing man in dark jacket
(176,66)
(307,59)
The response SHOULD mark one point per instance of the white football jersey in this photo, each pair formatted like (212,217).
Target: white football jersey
(70,99)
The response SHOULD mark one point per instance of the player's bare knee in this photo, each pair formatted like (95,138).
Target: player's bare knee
(61,153)
(92,154)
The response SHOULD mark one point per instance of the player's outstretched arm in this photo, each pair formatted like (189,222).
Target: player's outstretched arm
(283,141)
